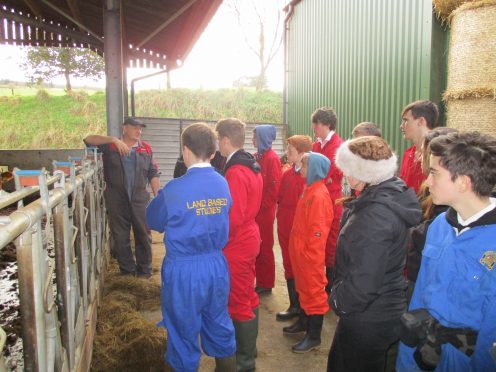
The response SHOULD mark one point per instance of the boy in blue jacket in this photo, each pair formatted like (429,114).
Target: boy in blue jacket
(193,211)
(455,293)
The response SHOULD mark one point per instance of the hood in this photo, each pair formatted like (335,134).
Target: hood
(318,167)
(487,219)
(241,157)
(266,134)
(394,194)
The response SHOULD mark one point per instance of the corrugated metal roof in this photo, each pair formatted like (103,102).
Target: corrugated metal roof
(164,136)
(160,32)
(365,58)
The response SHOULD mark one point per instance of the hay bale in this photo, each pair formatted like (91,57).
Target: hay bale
(473,114)
(444,8)
(472,50)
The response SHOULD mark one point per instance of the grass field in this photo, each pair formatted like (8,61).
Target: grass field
(51,118)
(24,90)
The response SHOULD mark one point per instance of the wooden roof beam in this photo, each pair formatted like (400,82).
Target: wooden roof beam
(166,23)
(35,8)
(81,26)
(75,11)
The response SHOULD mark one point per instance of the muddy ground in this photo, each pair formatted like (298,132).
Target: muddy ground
(274,348)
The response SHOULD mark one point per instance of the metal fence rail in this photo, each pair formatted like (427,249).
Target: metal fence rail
(60,240)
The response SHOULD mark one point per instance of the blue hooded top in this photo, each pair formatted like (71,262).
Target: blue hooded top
(318,167)
(266,134)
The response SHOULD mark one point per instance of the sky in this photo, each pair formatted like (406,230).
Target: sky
(219,57)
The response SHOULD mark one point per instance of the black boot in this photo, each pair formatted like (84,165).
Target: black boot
(294,304)
(227,364)
(312,337)
(246,344)
(255,311)
(329,270)
(297,327)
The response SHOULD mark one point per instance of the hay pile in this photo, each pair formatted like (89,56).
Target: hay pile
(471,93)
(125,341)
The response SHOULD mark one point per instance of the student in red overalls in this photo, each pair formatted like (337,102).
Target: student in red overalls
(292,185)
(242,173)
(418,119)
(263,136)
(324,122)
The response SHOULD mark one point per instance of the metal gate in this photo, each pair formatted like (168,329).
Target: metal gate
(60,240)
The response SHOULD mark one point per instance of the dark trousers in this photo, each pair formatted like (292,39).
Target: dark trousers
(122,216)
(361,345)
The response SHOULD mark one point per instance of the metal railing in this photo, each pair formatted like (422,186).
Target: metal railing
(60,240)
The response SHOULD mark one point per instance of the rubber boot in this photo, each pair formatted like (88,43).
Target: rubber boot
(297,327)
(312,337)
(246,344)
(294,304)
(227,364)
(329,271)
(255,311)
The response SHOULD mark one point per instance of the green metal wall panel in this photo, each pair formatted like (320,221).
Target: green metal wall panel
(365,58)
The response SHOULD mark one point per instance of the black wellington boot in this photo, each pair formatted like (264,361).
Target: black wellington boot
(312,337)
(246,344)
(329,271)
(294,304)
(227,364)
(297,327)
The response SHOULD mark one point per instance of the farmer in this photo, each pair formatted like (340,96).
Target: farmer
(128,166)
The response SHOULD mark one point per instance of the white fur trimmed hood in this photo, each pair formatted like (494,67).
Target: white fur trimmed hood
(368,171)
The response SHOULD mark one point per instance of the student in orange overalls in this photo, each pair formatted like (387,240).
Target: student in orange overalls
(292,185)
(307,249)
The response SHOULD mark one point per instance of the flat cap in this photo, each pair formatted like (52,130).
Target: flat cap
(133,121)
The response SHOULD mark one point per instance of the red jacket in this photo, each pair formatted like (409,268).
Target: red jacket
(411,169)
(246,192)
(335,174)
(271,174)
(290,190)
(307,247)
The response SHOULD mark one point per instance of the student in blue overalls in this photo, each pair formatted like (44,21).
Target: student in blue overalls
(451,324)
(193,211)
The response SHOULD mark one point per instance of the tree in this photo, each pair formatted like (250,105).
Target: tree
(266,17)
(42,64)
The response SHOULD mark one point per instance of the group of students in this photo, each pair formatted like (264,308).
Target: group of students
(347,253)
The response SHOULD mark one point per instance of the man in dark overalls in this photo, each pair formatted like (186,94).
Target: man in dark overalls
(128,166)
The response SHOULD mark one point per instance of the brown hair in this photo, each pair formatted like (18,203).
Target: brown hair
(370,148)
(425,109)
(200,139)
(366,128)
(326,116)
(470,154)
(232,128)
(441,131)
(301,143)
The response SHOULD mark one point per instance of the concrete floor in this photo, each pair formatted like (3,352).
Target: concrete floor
(274,348)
